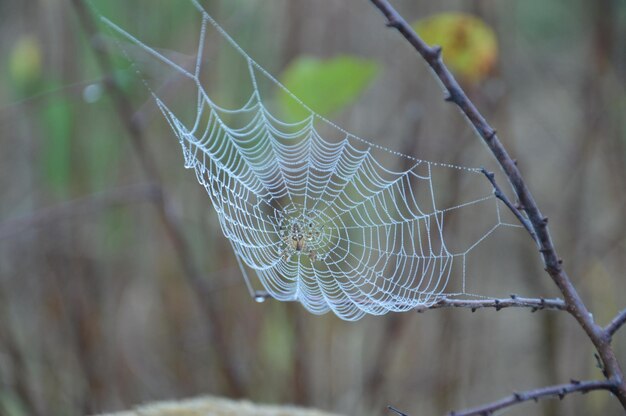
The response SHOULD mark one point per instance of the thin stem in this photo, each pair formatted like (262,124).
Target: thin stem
(396,411)
(558,391)
(497,304)
(616,323)
(497,191)
(539,223)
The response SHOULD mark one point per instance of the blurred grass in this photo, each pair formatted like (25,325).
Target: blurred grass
(96,315)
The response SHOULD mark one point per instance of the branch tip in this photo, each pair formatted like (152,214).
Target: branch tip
(396,411)
(616,323)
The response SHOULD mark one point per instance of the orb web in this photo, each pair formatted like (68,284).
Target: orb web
(329,222)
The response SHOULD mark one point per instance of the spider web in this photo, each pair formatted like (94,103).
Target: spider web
(319,215)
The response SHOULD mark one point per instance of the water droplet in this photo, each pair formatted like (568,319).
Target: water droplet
(92,93)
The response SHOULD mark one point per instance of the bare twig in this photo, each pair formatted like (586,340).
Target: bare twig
(396,411)
(616,323)
(558,391)
(539,223)
(81,206)
(497,304)
(201,287)
(497,191)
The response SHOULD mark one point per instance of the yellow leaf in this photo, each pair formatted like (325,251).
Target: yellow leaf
(470,47)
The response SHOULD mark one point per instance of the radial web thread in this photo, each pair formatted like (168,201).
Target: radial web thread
(328,223)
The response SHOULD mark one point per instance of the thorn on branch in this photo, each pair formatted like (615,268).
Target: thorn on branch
(600,365)
(393,23)
(435,52)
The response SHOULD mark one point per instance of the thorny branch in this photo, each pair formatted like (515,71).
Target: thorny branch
(172,227)
(512,302)
(558,391)
(600,337)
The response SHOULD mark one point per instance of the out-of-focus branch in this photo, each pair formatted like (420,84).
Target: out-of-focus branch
(82,206)
(497,304)
(538,222)
(616,323)
(201,287)
(558,391)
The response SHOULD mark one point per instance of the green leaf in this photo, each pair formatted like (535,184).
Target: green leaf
(57,119)
(470,47)
(326,86)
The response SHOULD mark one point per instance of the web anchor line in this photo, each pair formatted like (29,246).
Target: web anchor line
(329,223)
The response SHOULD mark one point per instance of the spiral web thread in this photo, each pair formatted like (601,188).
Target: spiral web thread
(324,222)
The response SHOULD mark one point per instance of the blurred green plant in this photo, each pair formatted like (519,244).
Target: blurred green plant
(25,65)
(56,120)
(326,85)
(10,405)
(470,47)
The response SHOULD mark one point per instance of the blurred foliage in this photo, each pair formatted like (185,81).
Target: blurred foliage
(550,25)
(103,266)
(10,405)
(470,47)
(56,122)
(25,64)
(326,86)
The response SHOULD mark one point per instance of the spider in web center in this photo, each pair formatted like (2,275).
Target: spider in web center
(301,235)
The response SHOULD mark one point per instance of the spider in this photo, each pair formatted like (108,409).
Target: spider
(297,237)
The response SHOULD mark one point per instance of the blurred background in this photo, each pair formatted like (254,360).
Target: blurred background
(118,288)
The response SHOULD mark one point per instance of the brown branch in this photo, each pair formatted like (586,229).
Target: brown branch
(539,223)
(82,206)
(616,323)
(513,302)
(497,191)
(558,391)
(201,286)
